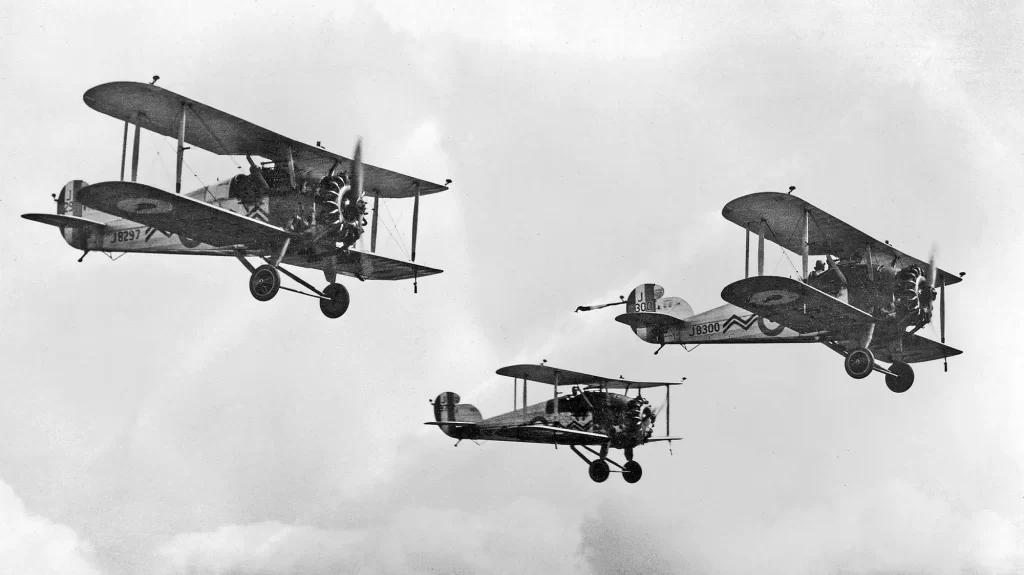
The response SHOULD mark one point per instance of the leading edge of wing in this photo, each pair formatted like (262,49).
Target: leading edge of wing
(159,110)
(549,375)
(826,234)
(564,431)
(178,214)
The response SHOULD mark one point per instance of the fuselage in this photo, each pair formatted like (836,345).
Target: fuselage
(627,421)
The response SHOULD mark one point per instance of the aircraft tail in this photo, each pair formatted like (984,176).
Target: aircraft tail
(648,298)
(67,205)
(448,409)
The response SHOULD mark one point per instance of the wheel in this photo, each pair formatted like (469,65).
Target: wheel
(338,304)
(903,379)
(632,472)
(599,470)
(264,283)
(859,363)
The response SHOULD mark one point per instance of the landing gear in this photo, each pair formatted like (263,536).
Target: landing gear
(337,304)
(599,470)
(859,363)
(264,283)
(903,378)
(632,472)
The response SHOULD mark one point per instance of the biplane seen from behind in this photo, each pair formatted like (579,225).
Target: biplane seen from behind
(592,416)
(302,207)
(867,305)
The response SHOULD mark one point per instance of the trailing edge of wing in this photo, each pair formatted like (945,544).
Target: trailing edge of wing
(454,423)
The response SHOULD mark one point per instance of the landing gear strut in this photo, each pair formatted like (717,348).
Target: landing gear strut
(264,283)
(902,378)
(599,469)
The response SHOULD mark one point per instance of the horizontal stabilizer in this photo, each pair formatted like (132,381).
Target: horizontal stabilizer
(64,221)
(650,319)
(453,423)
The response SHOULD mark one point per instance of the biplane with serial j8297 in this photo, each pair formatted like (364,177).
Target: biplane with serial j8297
(592,416)
(303,206)
(868,303)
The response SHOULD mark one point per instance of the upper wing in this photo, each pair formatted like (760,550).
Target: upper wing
(552,375)
(793,304)
(365,266)
(826,235)
(159,110)
(178,214)
(912,349)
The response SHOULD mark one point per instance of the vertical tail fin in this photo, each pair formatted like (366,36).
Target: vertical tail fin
(67,204)
(447,408)
(648,298)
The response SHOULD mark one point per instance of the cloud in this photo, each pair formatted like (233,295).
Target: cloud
(894,527)
(509,538)
(31,544)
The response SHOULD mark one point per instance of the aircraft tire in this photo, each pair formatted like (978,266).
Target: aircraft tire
(903,379)
(264,283)
(632,472)
(599,470)
(338,304)
(859,363)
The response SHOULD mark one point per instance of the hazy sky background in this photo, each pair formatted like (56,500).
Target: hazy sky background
(155,418)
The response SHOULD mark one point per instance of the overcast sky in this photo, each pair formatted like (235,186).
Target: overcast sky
(155,418)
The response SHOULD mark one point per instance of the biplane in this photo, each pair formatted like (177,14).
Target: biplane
(592,416)
(303,206)
(867,305)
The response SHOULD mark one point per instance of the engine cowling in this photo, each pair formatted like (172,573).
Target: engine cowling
(913,296)
(641,419)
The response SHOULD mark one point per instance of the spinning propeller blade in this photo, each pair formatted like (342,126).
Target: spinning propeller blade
(357,169)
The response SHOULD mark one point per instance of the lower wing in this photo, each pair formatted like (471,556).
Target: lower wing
(794,304)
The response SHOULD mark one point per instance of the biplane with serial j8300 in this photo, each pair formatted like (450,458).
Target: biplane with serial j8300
(867,305)
(592,416)
(303,206)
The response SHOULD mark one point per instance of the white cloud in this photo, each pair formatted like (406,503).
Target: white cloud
(33,545)
(421,539)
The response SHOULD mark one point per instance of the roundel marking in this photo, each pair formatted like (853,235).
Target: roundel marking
(769,331)
(774,297)
(145,206)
